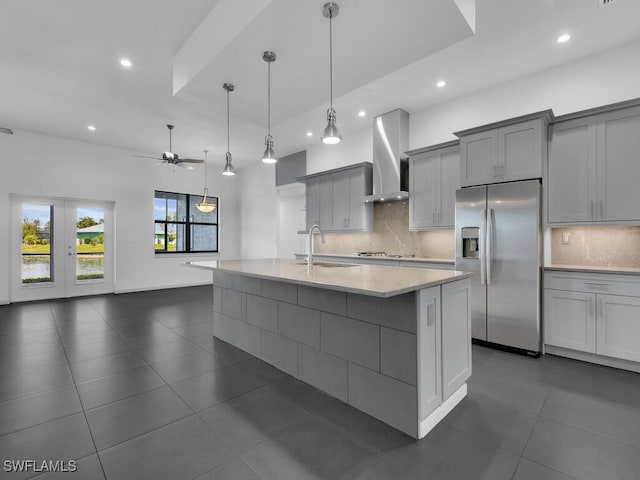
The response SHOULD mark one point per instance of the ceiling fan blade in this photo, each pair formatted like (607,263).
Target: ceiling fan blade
(190,160)
(6,130)
(147,156)
(182,165)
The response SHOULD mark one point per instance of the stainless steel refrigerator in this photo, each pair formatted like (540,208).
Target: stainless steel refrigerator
(498,238)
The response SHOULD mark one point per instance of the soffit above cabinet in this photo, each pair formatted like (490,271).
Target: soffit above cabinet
(314,176)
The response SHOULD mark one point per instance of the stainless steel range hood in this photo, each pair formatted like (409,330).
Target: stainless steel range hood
(390,163)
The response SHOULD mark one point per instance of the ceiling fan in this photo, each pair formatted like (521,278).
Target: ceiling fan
(172,158)
(6,130)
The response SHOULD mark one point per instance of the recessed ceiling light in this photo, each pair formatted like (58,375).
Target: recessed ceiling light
(92,128)
(441,83)
(362,113)
(309,134)
(565,37)
(125,62)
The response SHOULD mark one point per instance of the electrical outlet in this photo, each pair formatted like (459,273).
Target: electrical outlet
(566,238)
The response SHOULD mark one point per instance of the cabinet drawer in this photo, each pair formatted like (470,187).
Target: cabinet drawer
(628,285)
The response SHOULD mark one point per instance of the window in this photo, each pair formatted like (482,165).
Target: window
(180,227)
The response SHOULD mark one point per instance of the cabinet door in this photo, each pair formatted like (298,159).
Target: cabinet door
(449,183)
(456,336)
(520,151)
(360,213)
(424,177)
(570,319)
(478,158)
(571,176)
(325,208)
(619,165)
(340,205)
(619,327)
(313,203)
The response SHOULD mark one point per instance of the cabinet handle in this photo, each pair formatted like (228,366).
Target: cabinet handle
(430,315)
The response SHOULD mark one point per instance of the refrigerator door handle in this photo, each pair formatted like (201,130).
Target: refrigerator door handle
(488,244)
(482,248)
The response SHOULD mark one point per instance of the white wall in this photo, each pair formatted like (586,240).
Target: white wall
(609,77)
(55,167)
(258,207)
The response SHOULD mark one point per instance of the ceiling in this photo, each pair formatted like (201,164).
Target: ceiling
(61,71)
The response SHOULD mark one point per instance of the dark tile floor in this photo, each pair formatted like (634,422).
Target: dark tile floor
(133,386)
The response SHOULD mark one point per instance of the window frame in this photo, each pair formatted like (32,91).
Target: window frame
(186,223)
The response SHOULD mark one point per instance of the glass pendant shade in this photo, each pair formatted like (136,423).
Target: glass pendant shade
(269,155)
(204,206)
(228,167)
(331,135)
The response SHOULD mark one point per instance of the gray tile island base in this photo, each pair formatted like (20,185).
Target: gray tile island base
(403,359)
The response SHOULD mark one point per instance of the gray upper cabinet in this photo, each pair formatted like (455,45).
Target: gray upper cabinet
(335,199)
(618,154)
(571,179)
(594,168)
(503,152)
(433,180)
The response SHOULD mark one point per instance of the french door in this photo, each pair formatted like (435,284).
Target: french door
(60,248)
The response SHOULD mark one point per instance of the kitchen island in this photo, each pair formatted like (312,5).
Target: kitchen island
(392,342)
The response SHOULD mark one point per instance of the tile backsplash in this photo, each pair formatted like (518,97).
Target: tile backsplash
(391,235)
(604,246)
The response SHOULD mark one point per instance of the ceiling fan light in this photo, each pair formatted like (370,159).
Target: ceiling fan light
(228,167)
(331,136)
(269,155)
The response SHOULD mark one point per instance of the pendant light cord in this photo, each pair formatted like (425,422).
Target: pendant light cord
(228,147)
(269,98)
(330,59)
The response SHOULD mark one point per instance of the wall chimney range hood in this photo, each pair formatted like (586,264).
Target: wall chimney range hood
(390,163)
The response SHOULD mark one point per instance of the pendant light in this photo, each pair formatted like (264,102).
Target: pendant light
(204,206)
(269,155)
(331,134)
(228,167)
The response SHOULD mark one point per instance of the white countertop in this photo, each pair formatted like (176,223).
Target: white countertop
(595,269)
(373,280)
(443,261)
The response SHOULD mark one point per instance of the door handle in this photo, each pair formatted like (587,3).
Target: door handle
(489,246)
(482,247)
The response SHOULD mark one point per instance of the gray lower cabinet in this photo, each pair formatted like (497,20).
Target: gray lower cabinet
(433,180)
(593,313)
(593,168)
(335,199)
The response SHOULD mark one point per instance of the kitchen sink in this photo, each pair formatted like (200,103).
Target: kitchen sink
(328,264)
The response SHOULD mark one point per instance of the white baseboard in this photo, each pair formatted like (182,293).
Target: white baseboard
(160,287)
(439,413)
(593,358)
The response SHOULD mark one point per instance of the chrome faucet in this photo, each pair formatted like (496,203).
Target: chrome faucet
(310,254)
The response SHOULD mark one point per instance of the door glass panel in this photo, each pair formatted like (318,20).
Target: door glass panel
(37,242)
(89,244)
